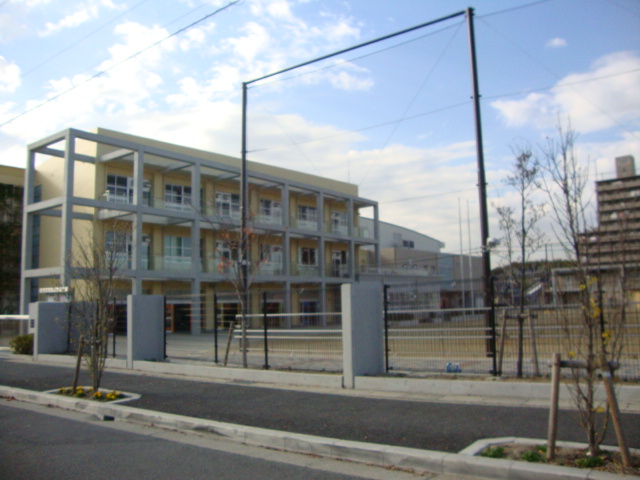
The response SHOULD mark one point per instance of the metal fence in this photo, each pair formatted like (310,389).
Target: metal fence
(11,326)
(443,327)
(307,339)
(302,341)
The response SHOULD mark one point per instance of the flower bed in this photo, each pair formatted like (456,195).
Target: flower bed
(607,460)
(87,393)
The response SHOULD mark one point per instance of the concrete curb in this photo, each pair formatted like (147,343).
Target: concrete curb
(484,388)
(382,455)
(628,395)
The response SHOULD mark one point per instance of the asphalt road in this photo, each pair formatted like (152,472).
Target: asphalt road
(40,443)
(426,425)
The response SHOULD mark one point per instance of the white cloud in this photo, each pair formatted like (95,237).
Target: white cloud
(556,42)
(255,41)
(9,75)
(10,28)
(83,13)
(604,97)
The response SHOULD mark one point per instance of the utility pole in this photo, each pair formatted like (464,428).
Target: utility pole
(244,237)
(482,188)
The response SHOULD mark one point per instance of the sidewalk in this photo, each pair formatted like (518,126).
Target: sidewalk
(440,425)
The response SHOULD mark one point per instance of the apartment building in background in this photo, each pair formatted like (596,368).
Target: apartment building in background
(616,240)
(173,213)
(11,193)
(614,243)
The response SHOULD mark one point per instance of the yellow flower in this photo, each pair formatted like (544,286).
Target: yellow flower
(600,409)
(572,354)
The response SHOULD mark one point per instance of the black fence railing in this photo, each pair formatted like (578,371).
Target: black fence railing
(444,327)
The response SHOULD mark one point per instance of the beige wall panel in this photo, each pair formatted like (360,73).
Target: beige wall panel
(11,175)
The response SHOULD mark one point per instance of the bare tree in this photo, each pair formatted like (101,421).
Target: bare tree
(227,257)
(98,254)
(520,228)
(585,335)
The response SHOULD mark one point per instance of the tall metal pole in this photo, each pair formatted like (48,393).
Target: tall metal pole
(244,237)
(482,184)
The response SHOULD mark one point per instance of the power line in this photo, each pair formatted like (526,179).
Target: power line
(566,84)
(362,129)
(102,72)
(354,59)
(77,42)
(556,76)
(406,110)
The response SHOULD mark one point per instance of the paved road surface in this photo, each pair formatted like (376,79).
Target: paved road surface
(425,425)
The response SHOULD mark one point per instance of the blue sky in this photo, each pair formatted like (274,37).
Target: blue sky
(395,118)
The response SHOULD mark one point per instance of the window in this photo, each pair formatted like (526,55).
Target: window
(228,205)
(177,252)
(271,254)
(177,197)
(408,243)
(307,217)
(339,223)
(271,259)
(226,251)
(270,211)
(120,189)
(118,249)
(339,267)
(307,256)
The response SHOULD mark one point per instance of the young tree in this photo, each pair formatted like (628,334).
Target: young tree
(586,337)
(230,248)
(519,226)
(98,254)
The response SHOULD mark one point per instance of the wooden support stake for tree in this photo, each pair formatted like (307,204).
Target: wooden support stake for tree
(503,339)
(76,375)
(607,376)
(229,338)
(534,347)
(553,410)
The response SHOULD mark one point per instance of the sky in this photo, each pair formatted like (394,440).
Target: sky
(395,118)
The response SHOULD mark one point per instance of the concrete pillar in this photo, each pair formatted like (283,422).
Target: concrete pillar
(66,225)
(196,302)
(145,328)
(50,322)
(362,331)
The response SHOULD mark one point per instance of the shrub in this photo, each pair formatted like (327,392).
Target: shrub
(22,344)
(590,462)
(532,456)
(493,452)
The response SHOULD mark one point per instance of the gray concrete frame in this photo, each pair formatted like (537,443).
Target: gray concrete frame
(140,213)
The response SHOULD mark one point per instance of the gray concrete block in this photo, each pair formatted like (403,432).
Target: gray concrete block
(537,471)
(418,460)
(358,452)
(476,466)
(310,444)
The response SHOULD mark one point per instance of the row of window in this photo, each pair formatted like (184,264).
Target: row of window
(179,197)
(120,243)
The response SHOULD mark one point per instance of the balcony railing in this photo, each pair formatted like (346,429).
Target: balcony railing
(304,224)
(270,269)
(337,229)
(305,270)
(269,219)
(338,271)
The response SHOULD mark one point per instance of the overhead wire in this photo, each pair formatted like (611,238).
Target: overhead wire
(77,42)
(120,62)
(555,75)
(413,100)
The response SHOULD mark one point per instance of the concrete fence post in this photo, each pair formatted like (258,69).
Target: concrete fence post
(145,328)
(50,327)
(362,331)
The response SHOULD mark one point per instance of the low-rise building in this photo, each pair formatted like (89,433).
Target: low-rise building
(178,211)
